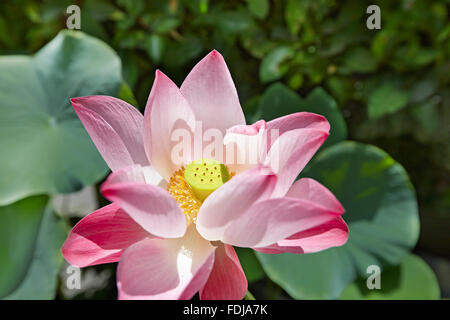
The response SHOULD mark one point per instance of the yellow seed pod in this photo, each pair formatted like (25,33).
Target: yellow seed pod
(204,176)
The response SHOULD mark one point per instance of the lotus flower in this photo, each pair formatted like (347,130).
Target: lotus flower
(172,224)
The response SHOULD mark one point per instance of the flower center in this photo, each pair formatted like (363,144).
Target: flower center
(204,176)
(191,186)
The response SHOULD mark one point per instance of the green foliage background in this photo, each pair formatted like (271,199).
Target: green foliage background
(390,85)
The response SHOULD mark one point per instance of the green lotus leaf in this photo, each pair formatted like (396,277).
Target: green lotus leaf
(44,146)
(30,259)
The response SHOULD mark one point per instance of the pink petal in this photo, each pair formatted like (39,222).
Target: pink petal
(299,120)
(212,95)
(101,237)
(231,200)
(269,221)
(115,127)
(245,146)
(227,280)
(333,233)
(165,268)
(310,189)
(166,111)
(290,153)
(150,206)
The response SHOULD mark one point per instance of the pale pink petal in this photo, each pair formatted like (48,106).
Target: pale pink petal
(150,206)
(115,127)
(333,233)
(212,95)
(101,237)
(310,189)
(231,200)
(227,280)
(245,146)
(165,269)
(168,120)
(269,221)
(329,234)
(299,120)
(290,153)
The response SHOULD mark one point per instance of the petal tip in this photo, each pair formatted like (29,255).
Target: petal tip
(216,55)
(161,79)
(106,190)
(341,208)
(76,102)
(159,75)
(107,187)
(80,102)
(66,253)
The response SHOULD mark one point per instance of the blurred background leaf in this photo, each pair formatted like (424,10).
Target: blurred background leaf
(49,151)
(250,264)
(411,279)
(386,99)
(30,258)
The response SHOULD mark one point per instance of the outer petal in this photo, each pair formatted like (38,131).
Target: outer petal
(150,206)
(101,237)
(227,280)
(115,127)
(330,234)
(299,120)
(269,221)
(232,200)
(167,113)
(212,95)
(165,268)
(310,189)
(333,233)
(245,146)
(290,153)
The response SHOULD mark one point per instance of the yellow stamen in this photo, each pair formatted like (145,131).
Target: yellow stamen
(184,193)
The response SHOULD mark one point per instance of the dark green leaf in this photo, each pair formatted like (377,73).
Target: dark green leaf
(30,257)
(385,100)
(166,25)
(127,95)
(179,53)
(155,47)
(360,60)
(271,68)
(259,8)
(250,264)
(295,14)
